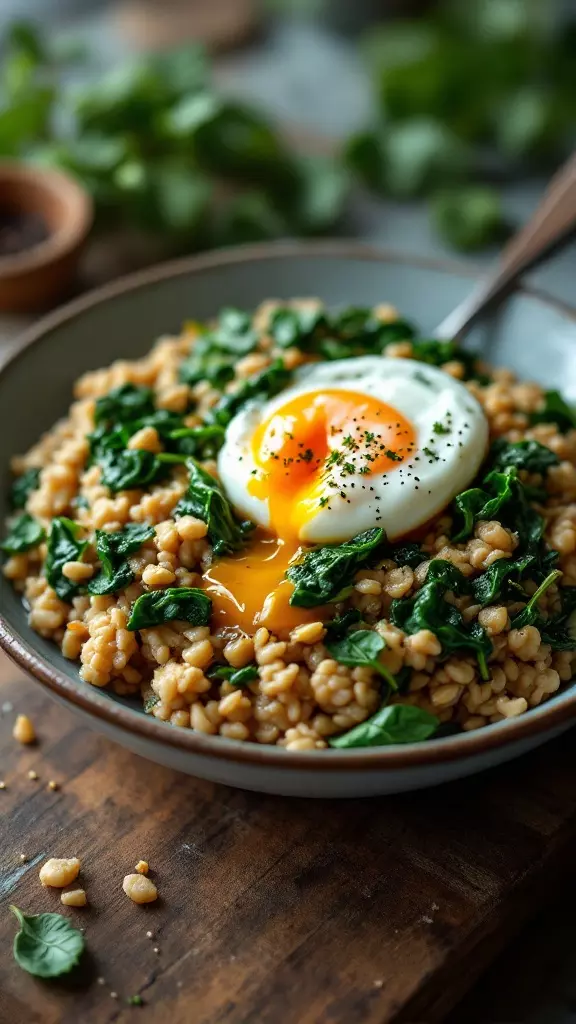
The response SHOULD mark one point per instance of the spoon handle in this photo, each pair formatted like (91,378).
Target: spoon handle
(550,225)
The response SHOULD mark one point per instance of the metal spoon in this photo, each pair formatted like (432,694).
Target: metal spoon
(549,227)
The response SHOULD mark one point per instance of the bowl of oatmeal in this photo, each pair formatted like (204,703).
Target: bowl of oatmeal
(262,528)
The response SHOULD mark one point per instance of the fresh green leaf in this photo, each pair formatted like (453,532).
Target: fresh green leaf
(429,610)
(250,217)
(112,550)
(530,614)
(186,604)
(396,723)
(323,186)
(469,218)
(23,486)
(361,648)
(266,384)
(325,573)
(555,410)
(180,199)
(239,677)
(25,533)
(365,154)
(206,500)
(65,544)
(47,945)
(421,154)
(529,455)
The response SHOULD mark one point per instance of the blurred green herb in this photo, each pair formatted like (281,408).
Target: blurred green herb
(160,149)
(485,87)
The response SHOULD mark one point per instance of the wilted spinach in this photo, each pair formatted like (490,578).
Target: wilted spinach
(23,486)
(130,468)
(352,332)
(484,502)
(555,410)
(123,404)
(395,723)
(239,677)
(25,533)
(200,442)
(362,648)
(112,550)
(188,604)
(206,500)
(265,384)
(529,455)
(530,615)
(430,610)
(214,353)
(560,630)
(326,573)
(339,626)
(65,544)
(407,554)
(500,577)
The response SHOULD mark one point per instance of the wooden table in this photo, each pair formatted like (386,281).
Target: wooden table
(271,910)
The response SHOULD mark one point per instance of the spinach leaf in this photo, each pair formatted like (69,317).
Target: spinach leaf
(206,500)
(484,502)
(265,384)
(396,723)
(125,403)
(555,410)
(470,217)
(407,554)
(64,545)
(339,626)
(529,455)
(112,550)
(188,604)
(531,615)
(362,648)
(291,325)
(213,355)
(201,442)
(130,469)
(487,587)
(235,676)
(351,332)
(326,573)
(560,630)
(25,533)
(47,945)
(430,610)
(22,488)
(436,353)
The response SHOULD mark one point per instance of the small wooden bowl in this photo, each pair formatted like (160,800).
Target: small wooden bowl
(36,277)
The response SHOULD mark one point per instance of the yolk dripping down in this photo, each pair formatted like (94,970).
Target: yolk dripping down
(305,452)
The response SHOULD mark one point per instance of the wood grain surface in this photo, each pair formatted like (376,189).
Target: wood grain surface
(271,910)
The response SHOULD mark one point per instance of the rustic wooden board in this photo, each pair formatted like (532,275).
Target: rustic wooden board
(272,911)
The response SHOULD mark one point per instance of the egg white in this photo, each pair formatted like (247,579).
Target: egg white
(399,502)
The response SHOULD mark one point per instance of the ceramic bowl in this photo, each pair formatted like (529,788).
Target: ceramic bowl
(36,277)
(534,335)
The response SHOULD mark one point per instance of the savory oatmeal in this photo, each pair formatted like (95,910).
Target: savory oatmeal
(308,529)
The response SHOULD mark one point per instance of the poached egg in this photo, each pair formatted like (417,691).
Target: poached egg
(350,445)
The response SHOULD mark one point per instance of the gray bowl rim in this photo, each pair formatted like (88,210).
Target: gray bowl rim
(90,700)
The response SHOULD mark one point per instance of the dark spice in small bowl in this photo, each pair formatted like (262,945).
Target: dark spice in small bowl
(20,230)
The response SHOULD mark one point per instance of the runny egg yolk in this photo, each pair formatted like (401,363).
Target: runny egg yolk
(307,453)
